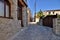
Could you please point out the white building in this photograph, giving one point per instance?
(51, 12)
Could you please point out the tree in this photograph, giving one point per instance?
(40, 14)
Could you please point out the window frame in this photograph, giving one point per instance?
(6, 2)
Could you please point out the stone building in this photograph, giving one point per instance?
(29, 15)
(51, 12)
(13, 16)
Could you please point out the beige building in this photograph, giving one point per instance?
(13, 16)
(36, 18)
(51, 12)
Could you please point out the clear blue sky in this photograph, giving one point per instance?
(43, 5)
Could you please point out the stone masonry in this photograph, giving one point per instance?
(56, 26)
(9, 27)
(25, 18)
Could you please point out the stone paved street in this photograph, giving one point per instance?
(36, 32)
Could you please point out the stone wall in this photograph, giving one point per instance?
(25, 16)
(9, 27)
(56, 26)
(14, 12)
(40, 22)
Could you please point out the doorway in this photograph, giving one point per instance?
(20, 17)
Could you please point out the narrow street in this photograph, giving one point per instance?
(36, 32)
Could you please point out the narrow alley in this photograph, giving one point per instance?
(29, 19)
(36, 32)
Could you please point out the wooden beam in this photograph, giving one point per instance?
(23, 3)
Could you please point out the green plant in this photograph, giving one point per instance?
(58, 16)
(39, 14)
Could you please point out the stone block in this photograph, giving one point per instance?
(8, 28)
(56, 26)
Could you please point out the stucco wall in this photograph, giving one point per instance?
(9, 27)
(37, 19)
(55, 12)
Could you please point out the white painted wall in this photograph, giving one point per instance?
(37, 19)
(55, 12)
(1, 9)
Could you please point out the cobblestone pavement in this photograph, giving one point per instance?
(36, 32)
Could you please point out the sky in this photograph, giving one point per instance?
(43, 5)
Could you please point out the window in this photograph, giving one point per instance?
(19, 11)
(56, 13)
(1, 8)
(7, 9)
(53, 12)
(1, 0)
(49, 13)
